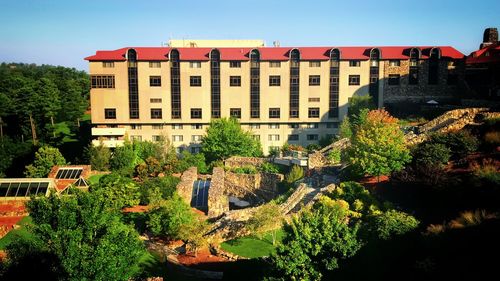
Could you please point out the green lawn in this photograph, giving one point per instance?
(251, 246)
(22, 231)
(94, 179)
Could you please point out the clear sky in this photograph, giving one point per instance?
(63, 32)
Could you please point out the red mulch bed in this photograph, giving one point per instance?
(204, 257)
(10, 221)
(136, 209)
(372, 182)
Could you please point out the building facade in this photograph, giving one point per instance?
(280, 94)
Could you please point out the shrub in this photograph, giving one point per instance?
(487, 171)
(170, 217)
(188, 160)
(392, 223)
(267, 167)
(295, 174)
(99, 156)
(118, 190)
(460, 143)
(436, 154)
(357, 196)
(345, 130)
(334, 156)
(313, 147)
(326, 140)
(274, 151)
(45, 158)
(155, 189)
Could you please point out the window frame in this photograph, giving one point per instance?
(274, 80)
(195, 81)
(352, 80)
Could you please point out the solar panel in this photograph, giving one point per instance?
(69, 173)
(23, 188)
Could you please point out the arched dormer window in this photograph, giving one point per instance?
(334, 57)
(294, 57)
(414, 73)
(434, 57)
(254, 57)
(374, 56)
(132, 57)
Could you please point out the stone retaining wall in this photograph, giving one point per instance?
(252, 186)
(185, 186)
(218, 203)
(238, 162)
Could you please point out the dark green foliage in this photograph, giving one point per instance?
(325, 141)
(315, 242)
(118, 190)
(78, 238)
(169, 217)
(124, 159)
(295, 174)
(155, 189)
(268, 167)
(345, 130)
(434, 154)
(45, 158)
(192, 160)
(358, 197)
(225, 138)
(392, 223)
(460, 143)
(359, 103)
(10, 151)
(313, 147)
(274, 152)
(99, 157)
(250, 170)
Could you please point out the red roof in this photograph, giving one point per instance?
(272, 53)
(489, 54)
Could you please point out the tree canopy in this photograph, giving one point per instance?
(79, 236)
(378, 146)
(225, 138)
(45, 158)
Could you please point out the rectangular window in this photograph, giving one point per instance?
(394, 63)
(156, 138)
(177, 138)
(354, 63)
(275, 64)
(154, 64)
(274, 113)
(312, 137)
(155, 100)
(254, 126)
(110, 113)
(314, 80)
(235, 112)
(294, 126)
(315, 63)
(235, 64)
(155, 81)
(157, 127)
(353, 80)
(195, 149)
(274, 80)
(197, 126)
(195, 64)
(274, 137)
(136, 138)
(108, 64)
(312, 126)
(393, 79)
(195, 113)
(156, 113)
(314, 99)
(235, 81)
(273, 126)
(256, 137)
(102, 81)
(293, 137)
(176, 126)
(196, 138)
(332, 125)
(313, 112)
(135, 127)
(195, 81)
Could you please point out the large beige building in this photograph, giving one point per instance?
(280, 94)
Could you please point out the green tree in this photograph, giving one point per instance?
(192, 160)
(295, 174)
(225, 138)
(315, 242)
(124, 159)
(154, 190)
(434, 154)
(99, 156)
(378, 146)
(170, 217)
(267, 218)
(345, 130)
(45, 158)
(120, 191)
(359, 103)
(86, 240)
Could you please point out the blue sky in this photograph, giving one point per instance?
(64, 32)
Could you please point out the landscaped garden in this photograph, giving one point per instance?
(253, 246)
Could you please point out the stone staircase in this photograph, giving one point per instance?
(306, 199)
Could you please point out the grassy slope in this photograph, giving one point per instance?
(21, 231)
(251, 246)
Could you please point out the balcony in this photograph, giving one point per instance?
(108, 131)
(108, 143)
